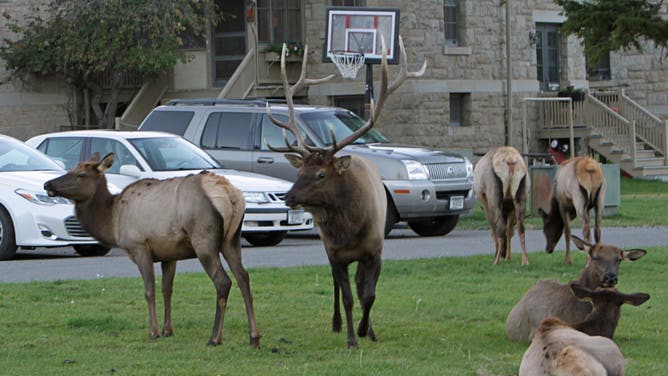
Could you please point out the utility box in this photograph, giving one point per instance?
(542, 179)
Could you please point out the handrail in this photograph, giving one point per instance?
(555, 113)
(610, 124)
(650, 128)
(244, 76)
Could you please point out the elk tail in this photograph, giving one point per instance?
(589, 175)
(226, 198)
(509, 167)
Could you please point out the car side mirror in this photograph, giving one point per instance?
(130, 170)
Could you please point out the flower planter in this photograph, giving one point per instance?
(273, 57)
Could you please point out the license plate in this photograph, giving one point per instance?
(295, 217)
(456, 202)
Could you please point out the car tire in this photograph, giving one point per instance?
(91, 250)
(391, 217)
(265, 239)
(7, 236)
(436, 226)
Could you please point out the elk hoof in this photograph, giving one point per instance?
(352, 343)
(167, 333)
(153, 336)
(255, 341)
(213, 342)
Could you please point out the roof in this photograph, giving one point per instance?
(110, 133)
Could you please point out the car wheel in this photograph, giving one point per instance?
(7, 237)
(89, 250)
(265, 239)
(435, 227)
(391, 217)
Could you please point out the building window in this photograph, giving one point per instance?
(459, 109)
(599, 71)
(354, 103)
(348, 3)
(279, 21)
(452, 22)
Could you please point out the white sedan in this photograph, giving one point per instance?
(163, 155)
(29, 218)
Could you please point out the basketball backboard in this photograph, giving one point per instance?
(356, 29)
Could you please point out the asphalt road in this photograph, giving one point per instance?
(303, 249)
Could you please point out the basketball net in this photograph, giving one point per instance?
(348, 63)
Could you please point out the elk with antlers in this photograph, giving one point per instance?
(346, 196)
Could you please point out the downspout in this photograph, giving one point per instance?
(509, 81)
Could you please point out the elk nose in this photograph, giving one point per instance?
(609, 279)
(47, 186)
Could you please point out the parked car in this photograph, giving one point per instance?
(425, 187)
(163, 155)
(29, 218)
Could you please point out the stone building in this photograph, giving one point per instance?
(460, 103)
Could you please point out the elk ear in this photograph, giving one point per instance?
(295, 160)
(636, 299)
(342, 164)
(581, 244)
(581, 291)
(106, 163)
(633, 254)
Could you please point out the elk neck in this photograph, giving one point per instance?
(96, 214)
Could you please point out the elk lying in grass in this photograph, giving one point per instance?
(583, 348)
(547, 298)
(346, 196)
(578, 187)
(165, 220)
(501, 183)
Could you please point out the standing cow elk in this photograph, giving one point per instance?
(583, 348)
(346, 196)
(501, 183)
(165, 220)
(548, 298)
(578, 187)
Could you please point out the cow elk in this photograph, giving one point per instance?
(165, 220)
(346, 196)
(501, 182)
(579, 187)
(583, 348)
(548, 298)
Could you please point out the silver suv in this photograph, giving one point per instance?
(425, 187)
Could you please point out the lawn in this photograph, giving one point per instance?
(432, 317)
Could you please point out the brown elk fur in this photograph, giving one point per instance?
(583, 348)
(501, 184)
(165, 220)
(548, 298)
(346, 197)
(579, 187)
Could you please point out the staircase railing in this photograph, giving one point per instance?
(243, 80)
(610, 124)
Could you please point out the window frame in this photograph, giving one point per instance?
(287, 21)
(452, 39)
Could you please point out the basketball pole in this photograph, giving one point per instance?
(368, 91)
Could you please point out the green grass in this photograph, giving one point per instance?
(642, 203)
(432, 317)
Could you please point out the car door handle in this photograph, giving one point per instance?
(265, 160)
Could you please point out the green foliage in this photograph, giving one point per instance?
(440, 316)
(611, 25)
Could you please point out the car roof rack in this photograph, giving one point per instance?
(216, 101)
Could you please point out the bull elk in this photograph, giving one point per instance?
(579, 187)
(165, 220)
(501, 183)
(583, 348)
(346, 196)
(548, 298)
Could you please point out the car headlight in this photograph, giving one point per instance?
(256, 197)
(41, 198)
(415, 170)
(469, 168)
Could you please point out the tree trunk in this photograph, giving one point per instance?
(109, 119)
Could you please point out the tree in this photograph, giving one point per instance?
(612, 25)
(77, 40)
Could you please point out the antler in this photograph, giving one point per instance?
(377, 105)
(291, 125)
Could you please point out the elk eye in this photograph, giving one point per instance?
(321, 175)
(81, 175)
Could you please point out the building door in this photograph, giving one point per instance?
(229, 41)
(547, 55)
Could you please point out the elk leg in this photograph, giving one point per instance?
(211, 263)
(365, 280)
(144, 262)
(567, 237)
(336, 317)
(168, 271)
(519, 212)
(597, 222)
(232, 254)
(340, 273)
(509, 234)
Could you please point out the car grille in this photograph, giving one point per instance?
(277, 196)
(446, 195)
(74, 228)
(446, 171)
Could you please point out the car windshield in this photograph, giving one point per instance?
(173, 153)
(17, 156)
(342, 124)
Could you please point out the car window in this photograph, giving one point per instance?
(272, 134)
(226, 130)
(123, 155)
(64, 149)
(17, 156)
(168, 121)
(173, 153)
(341, 124)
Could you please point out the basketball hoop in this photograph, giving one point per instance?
(348, 63)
